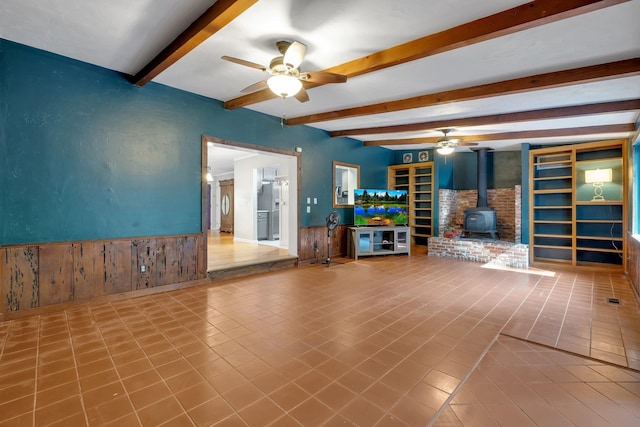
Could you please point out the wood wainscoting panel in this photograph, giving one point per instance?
(167, 262)
(19, 275)
(88, 270)
(188, 256)
(55, 274)
(144, 258)
(117, 267)
(39, 275)
(313, 242)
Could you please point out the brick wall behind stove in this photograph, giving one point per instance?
(505, 201)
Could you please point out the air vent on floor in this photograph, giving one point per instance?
(613, 300)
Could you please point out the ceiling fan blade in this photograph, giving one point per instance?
(254, 87)
(302, 95)
(245, 63)
(323, 77)
(295, 54)
(467, 144)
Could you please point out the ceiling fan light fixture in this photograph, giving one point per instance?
(444, 150)
(284, 86)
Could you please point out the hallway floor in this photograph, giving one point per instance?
(223, 252)
(388, 341)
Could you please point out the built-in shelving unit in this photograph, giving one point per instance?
(365, 241)
(417, 179)
(573, 219)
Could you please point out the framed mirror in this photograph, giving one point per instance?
(346, 178)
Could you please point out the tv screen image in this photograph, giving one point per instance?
(380, 207)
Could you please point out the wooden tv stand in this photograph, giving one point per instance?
(366, 241)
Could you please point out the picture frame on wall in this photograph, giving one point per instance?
(423, 156)
(407, 158)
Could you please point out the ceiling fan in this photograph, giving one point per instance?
(285, 76)
(446, 144)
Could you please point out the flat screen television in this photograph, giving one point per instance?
(379, 207)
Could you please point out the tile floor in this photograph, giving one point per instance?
(392, 341)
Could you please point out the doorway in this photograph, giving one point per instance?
(262, 176)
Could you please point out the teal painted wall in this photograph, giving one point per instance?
(503, 170)
(86, 155)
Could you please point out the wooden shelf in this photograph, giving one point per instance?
(420, 191)
(552, 178)
(600, 221)
(611, 251)
(600, 203)
(564, 218)
(605, 239)
(556, 162)
(553, 191)
(552, 247)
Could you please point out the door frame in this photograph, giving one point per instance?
(205, 139)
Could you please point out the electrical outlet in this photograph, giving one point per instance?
(143, 268)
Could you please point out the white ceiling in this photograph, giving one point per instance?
(124, 35)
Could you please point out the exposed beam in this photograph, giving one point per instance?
(519, 18)
(594, 73)
(521, 116)
(527, 134)
(221, 13)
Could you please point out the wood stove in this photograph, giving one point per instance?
(481, 219)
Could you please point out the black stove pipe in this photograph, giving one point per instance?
(482, 177)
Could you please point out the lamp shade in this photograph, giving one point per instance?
(284, 86)
(445, 150)
(597, 175)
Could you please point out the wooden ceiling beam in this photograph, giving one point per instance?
(521, 116)
(528, 134)
(519, 18)
(589, 74)
(221, 13)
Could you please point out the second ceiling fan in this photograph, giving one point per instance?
(446, 144)
(285, 76)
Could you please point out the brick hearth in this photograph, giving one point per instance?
(505, 201)
(481, 250)
(508, 251)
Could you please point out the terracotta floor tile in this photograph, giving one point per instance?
(17, 407)
(311, 412)
(147, 396)
(98, 380)
(362, 412)
(581, 415)
(49, 414)
(243, 395)
(382, 396)
(335, 396)
(289, 396)
(474, 414)
(371, 353)
(196, 395)
(142, 380)
(411, 412)
(160, 412)
(56, 394)
(261, 413)
(210, 412)
(509, 415)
